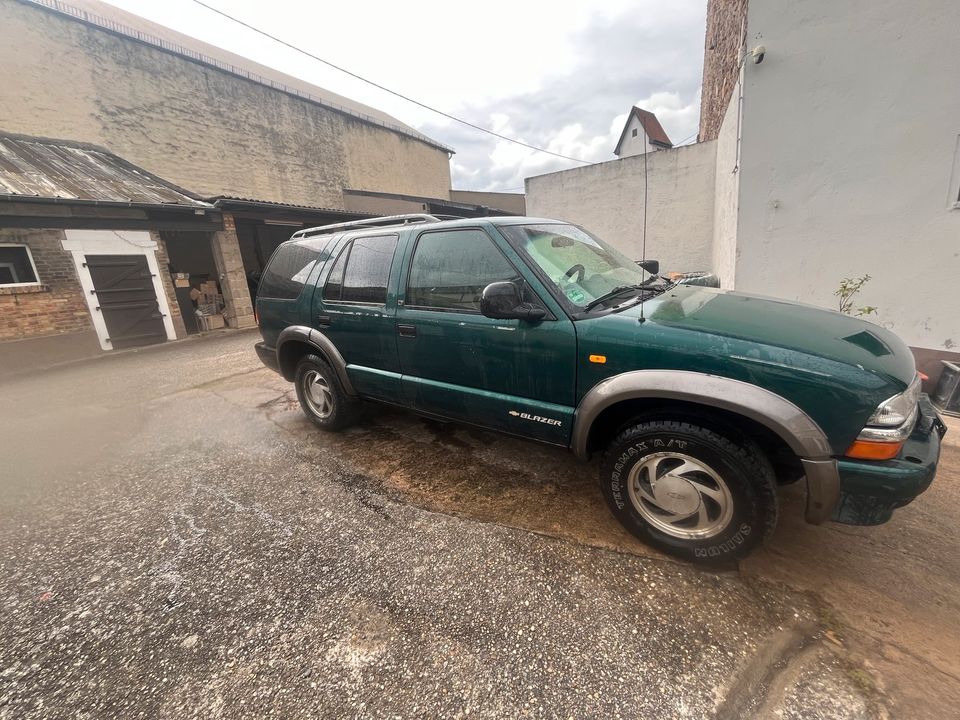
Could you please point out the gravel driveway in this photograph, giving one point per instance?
(177, 541)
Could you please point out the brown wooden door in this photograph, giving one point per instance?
(123, 285)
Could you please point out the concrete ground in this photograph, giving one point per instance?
(177, 541)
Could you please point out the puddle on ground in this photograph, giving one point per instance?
(460, 470)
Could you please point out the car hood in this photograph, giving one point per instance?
(782, 324)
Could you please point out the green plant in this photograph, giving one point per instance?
(849, 287)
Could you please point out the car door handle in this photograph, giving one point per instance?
(323, 320)
(407, 330)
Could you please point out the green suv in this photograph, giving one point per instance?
(700, 402)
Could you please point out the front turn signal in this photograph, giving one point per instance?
(872, 450)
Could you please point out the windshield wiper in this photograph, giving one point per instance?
(619, 290)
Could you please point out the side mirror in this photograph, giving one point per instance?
(651, 266)
(501, 301)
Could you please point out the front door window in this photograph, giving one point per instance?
(450, 270)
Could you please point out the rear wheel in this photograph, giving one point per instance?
(321, 395)
(689, 490)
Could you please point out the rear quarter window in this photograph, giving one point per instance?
(287, 272)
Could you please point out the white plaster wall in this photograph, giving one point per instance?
(849, 158)
(607, 199)
(635, 145)
(727, 195)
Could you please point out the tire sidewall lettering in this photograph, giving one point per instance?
(727, 546)
(745, 529)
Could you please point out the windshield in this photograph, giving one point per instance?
(581, 267)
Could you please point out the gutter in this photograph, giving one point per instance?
(202, 206)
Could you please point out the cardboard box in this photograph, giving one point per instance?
(210, 322)
(181, 282)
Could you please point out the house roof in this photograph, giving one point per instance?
(228, 201)
(648, 121)
(33, 168)
(115, 20)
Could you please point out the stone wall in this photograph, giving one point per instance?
(56, 305)
(233, 279)
(722, 48)
(511, 202)
(205, 129)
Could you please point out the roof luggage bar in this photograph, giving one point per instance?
(388, 221)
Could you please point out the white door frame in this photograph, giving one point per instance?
(80, 243)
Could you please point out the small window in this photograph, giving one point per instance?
(362, 272)
(287, 272)
(16, 266)
(634, 133)
(451, 269)
(332, 290)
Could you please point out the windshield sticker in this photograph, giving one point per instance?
(576, 295)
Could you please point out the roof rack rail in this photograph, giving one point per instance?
(388, 221)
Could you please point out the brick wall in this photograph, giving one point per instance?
(721, 57)
(58, 305)
(163, 263)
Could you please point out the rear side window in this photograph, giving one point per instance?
(450, 270)
(287, 272)
(362, 271)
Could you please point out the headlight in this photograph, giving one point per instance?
(899, 409)
(889, 426)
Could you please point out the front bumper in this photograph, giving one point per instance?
(871, 490)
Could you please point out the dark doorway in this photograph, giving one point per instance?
(126, 297)
(189, 253)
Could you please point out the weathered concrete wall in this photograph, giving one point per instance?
(607, 199)
(850, 160)
(511, 202)
(205, 129)
(722, 48)
(55, 306)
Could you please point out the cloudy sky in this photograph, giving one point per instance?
(556, 75)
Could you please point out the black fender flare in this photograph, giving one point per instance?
(324, 347)
(797, 429)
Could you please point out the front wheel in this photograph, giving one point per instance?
(689, 490)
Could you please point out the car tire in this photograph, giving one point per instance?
(690, 491)
(322, 397)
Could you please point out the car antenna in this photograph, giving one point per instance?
(643, 249)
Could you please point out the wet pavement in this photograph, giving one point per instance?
(176, 540)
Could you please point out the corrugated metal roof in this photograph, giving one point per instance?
(108, 17)
(228, 199)
(41, 168)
